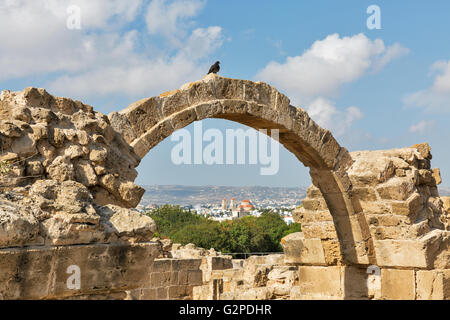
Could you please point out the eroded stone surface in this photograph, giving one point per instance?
(64, 213)
(401, 219)
(64, 140)
(70, 181)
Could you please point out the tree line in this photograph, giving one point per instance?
(244, 235)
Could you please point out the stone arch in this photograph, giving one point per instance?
(147, 122)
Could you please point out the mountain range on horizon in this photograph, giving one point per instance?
(213, 195)
(184, 195)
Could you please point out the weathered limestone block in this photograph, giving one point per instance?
(375, 207)
(433, 285)
(128, 223)
(10, 129)
(409, 207)
(436, 173)
(396, 189)
(398, 284)
(314, 205)
(330, 283)
(43, 273)
(183, 118)
(47, 151)
(370, 171)
(24, 146)
(171, 279)
(174, 102)
(17, 227)
(356, 252)
(61, 169)
(98, 155)
(128, 192)
(57, 137)
(155, 135)
(141, 115)
(419, 253)
(304, 216)
(332, 251)
(21, 113)
(85, 174)
(9, 156)
(190, 251)
(287, 275)
(211, 264)
(320, 281)
(256, 275)
(83, 137)
(322, 230)
(40, 131)
(424, 149)
(73, 152)
(297, 249)
(364, 194)
(63, 229)
(34, 168)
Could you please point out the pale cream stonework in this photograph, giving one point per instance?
(373, 224)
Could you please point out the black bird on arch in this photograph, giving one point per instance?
(214, 68)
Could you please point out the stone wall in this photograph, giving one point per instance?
(170, 279)
(49, 138)
(400, 211)
(398, 208)
(106, 270)
(64, 193)
(271, 278)
(374, 226)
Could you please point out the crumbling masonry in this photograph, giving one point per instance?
(374, 226)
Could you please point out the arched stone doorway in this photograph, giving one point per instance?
(147, 122)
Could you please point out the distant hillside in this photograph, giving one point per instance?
(444, 192)
(213, 195)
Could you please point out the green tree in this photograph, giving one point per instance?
(207, 234)
(274, 226)
(248, 234)
(170, 219)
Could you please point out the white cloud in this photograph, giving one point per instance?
(35, 38)
(325, 113)
(203, 42)
(327, 65)
(107, 55)
(422, 126)
(316, 75)
(169, 19)
(144, 77)
(134, 74)
(437, 97)
(392, 52)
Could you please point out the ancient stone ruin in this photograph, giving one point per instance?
(374, 226)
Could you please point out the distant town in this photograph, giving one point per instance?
(224, 202)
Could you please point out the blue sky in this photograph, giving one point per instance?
(374, 89)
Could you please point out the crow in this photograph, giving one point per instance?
(214, 68)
